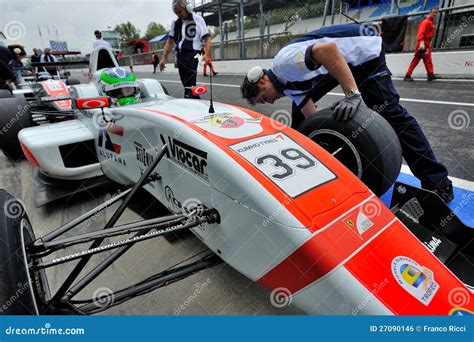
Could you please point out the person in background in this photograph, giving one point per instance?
(35, 57)
(99, 41)
(47, 57)
(187, 34)
(423, 47)
(154, 61)
(16, 64)
(6, 73)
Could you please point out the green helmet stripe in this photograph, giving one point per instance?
(111, 80)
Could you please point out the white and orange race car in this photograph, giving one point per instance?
(266, 199)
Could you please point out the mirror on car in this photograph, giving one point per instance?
(93, 103)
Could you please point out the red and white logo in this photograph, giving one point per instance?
(93, 103)
(199, 90)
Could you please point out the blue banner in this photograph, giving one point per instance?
(208, 329)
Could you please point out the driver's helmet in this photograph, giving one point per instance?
(43, 76)
(120, 84)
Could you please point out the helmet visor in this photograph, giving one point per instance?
(123, 92)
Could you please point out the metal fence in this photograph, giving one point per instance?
(455, 30)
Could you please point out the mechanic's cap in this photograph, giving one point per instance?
(98, 33)
(255, 74)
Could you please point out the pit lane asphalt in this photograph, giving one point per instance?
(222, 290)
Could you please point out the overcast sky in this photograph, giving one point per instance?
(75, 20)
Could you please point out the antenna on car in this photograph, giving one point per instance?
(211, 108)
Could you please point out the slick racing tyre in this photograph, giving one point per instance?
(367, 145)
(22, 292)
(5, 94)
(14, 116)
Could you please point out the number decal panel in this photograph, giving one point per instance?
(284, 162)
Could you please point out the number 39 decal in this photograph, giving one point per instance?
(293, 169)
(289, 154)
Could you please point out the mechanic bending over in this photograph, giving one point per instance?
(6, 73)
(186, 34)
(312, 65)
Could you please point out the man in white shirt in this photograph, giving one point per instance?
(312, 65)
(99, 41)
(187, 34)
(47, 57)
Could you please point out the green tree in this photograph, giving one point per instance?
(127, 32)
(154, 29)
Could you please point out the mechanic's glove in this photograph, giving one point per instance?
(345, 109)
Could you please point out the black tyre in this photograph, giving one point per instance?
(14, 116)
(72, 81)
(22, 292)
(5, 94)
(367, 145)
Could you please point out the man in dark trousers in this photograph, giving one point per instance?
(423, 47)
(154, 62)
(6, 73)
(312, 65)
(187, 33)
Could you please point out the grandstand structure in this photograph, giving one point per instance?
(259, 28)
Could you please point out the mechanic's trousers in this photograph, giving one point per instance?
(187, 66)
(378, 92)
(426, 57)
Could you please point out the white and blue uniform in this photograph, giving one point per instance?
(189, 36)
(295, 74)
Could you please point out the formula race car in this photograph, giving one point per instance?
(265, 198)
(40, 98)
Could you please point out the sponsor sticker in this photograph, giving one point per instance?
(460, 312)
(358, 221)
(416, 279)
(230, 125)
(287, 164)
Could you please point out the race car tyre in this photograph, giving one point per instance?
(14, 116)
(367, 145)
(72, 81)
(22, 292)
(5, 94)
